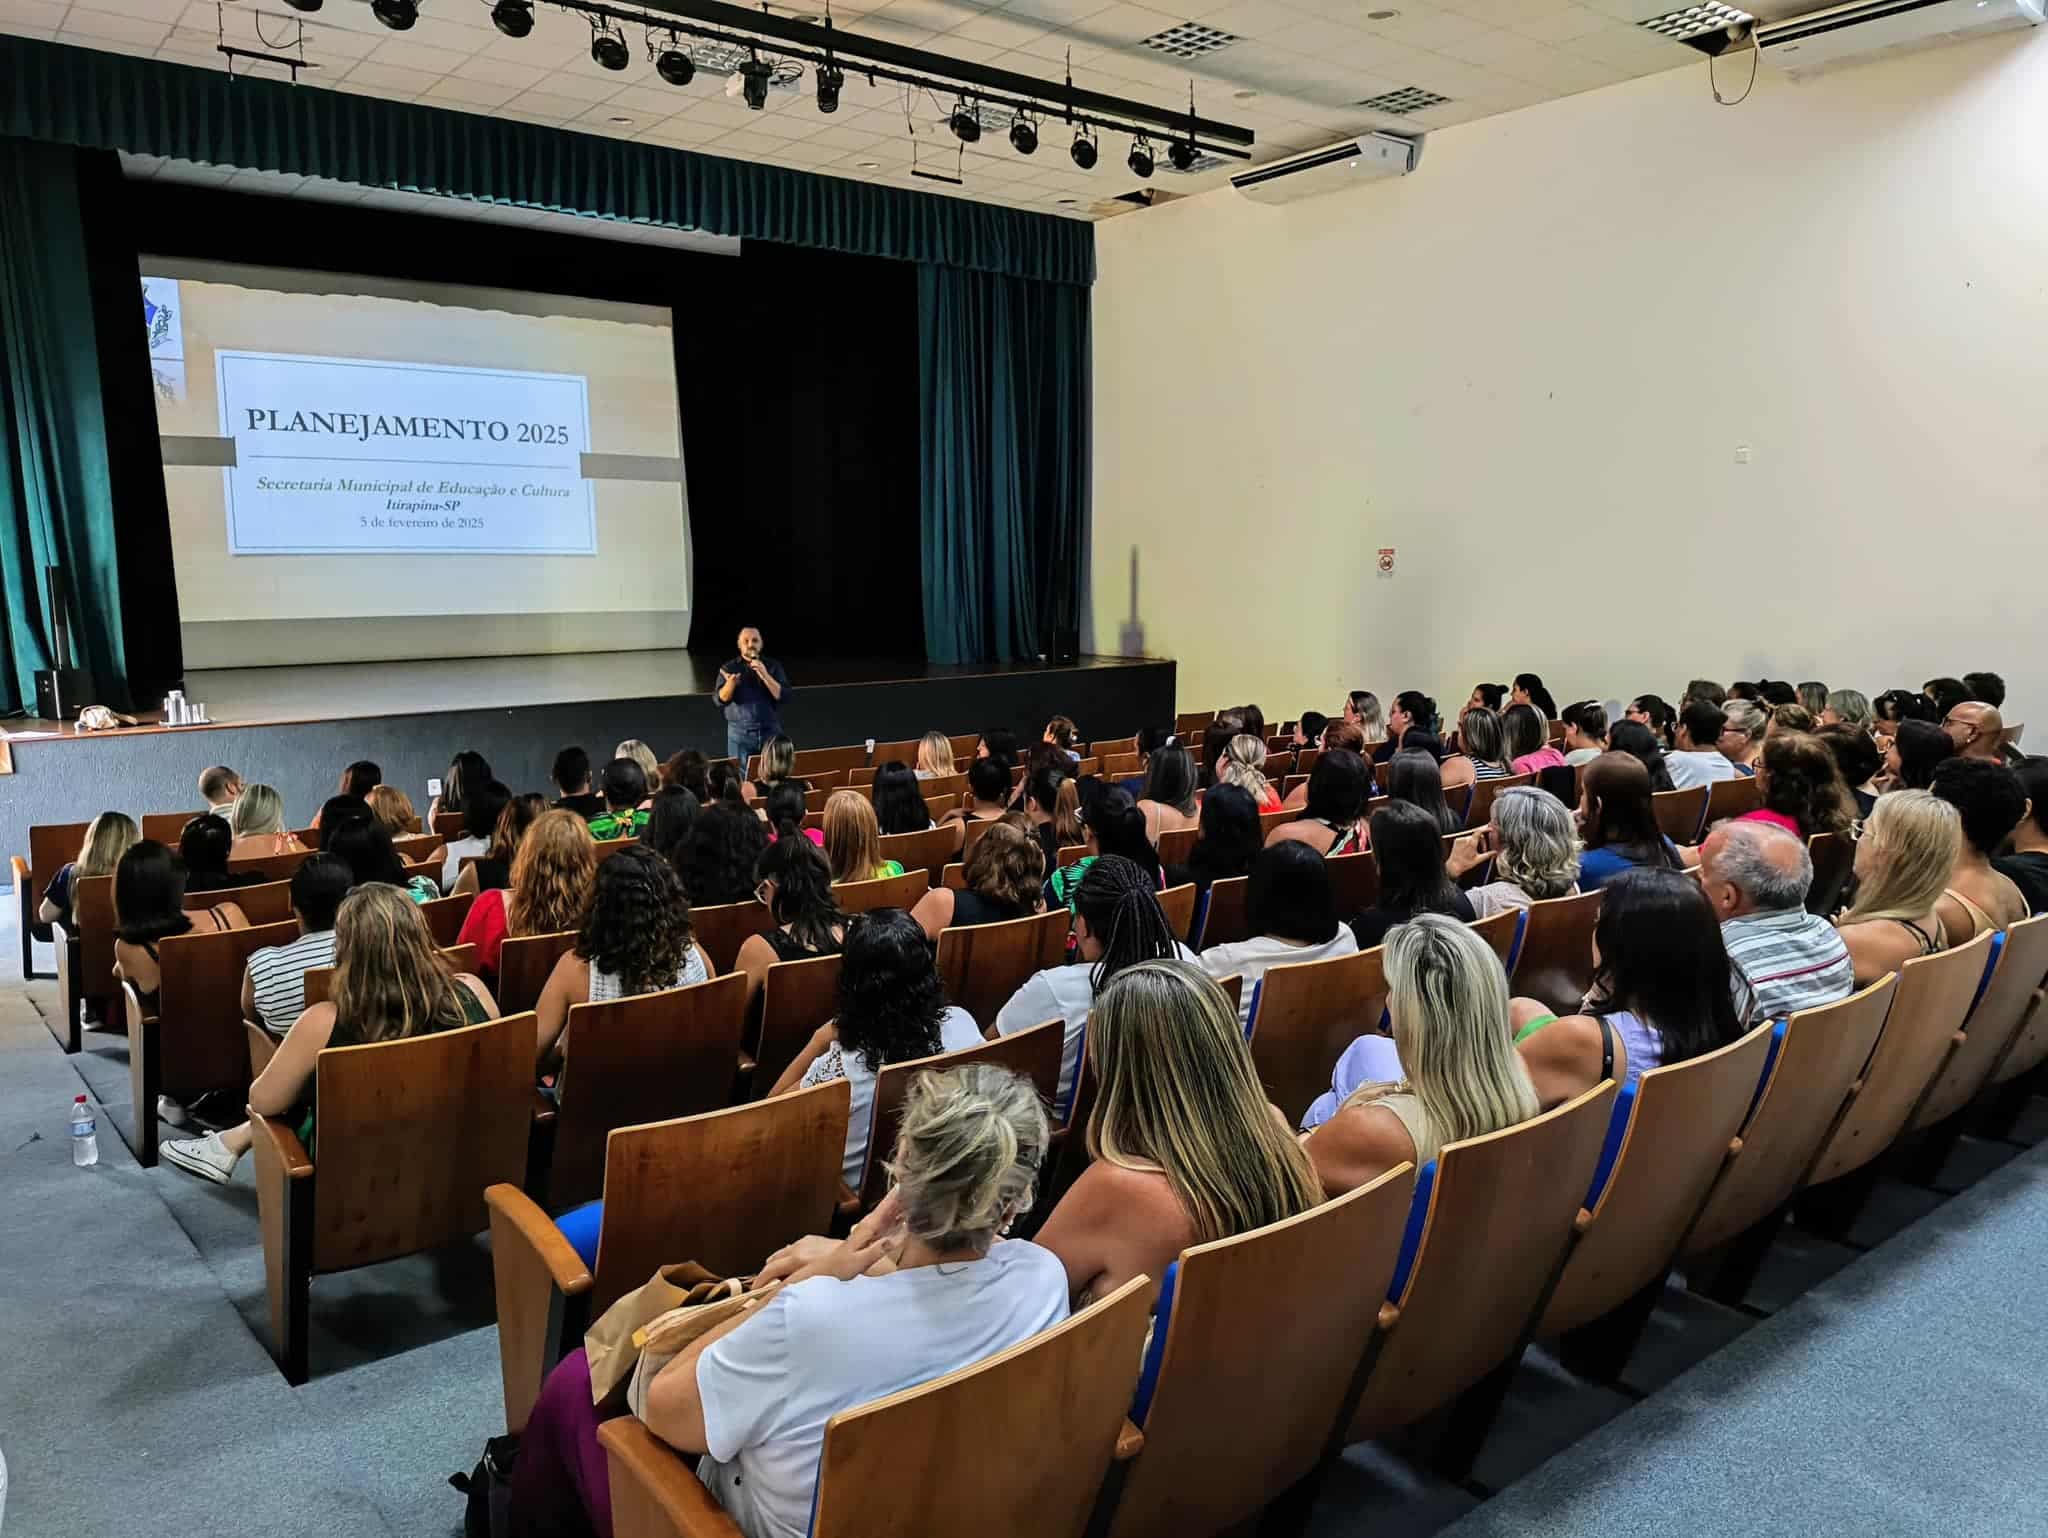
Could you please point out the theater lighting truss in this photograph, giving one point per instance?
(733, 40)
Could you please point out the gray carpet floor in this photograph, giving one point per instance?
(1895, 1383)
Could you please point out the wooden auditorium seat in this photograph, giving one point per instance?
(1111, 745)
(1834, 861)
(1678, 813)
(1122, 766)
(444, 916)
(1479, 809)
(1816, 1057)
(648, 1058)
(1035, 1053)
(927, 851)
(1286, 1374)
(983, 964)
(1731, 798)
(1305, 1015)
(1192, 723)
(1072, 854)
(1354, 882)
(723, 929)
(796, 998)
(1222, 918)
(1555, 961)
(447, 825)
(1671, 1136)
(524, 962)
(278, 867)
(410, 1135)
(2018, 969)
(1502, 931)
(1268, 821)
(196, 1041)
(2029, 1046)
(85, 960)
(268, 902)
(50, 846)
(1497, 1217)
(412, 848)
(1176, 844)
(166, 827)
(1012, 1447)
(724, 1188)
(1178, 904)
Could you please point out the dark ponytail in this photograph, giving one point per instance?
(786, 810)
(1119, 902)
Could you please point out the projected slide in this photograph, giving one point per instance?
(362, 467)
(341, 454)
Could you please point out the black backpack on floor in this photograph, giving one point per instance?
(489, 1488)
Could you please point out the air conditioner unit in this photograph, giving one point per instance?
(1368, 158)
(1855, 34)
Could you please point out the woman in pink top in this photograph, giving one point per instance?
(1528, 740)
(1802, 787)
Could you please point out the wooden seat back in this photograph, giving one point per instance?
(723, 929)
(1284, 1372)
(1731, 798)
(52, 846)
(201, 1045)
(970, 835)
(447, 825)
(524, 962)
(268, 902)
(1994, 1023)
(1816, 1058)
(1034, 1053)
(1072, 854)
(411, 1132)
(1500, 930)
(1176, 844)
(1479, 810)
(1305, 760)
(2029, 1047)
(723, 1188)
(1268, 821)
(927, 851)
(166, 827)
(1354, 882)
(320, 980)
(903, 751)
(1500, 1211)
(1305, 1015)
(983, 964)
(1122, 766)
(272, 867)
(886, 892)
(648, 1058)
(1178, 904)
(1225, 918)
(1682, 1121)
(444, 916)
(1924, 1027)
(814, 806)
(1834, 862)
(943, 785)
(605, 848)
(92, 923)
(1555, 963)
(1111, 745)
(1192, 723)
(796, 998)
(1678, 813)
(811, 761)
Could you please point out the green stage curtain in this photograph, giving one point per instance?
(1003, 391)
(87, 98)
(56, 502)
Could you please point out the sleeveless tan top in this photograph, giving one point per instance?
(1408, 1107)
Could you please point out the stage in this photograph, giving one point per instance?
(295, 727)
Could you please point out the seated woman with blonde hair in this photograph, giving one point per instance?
(392, 808)
(1448, 1000)
(1904, 860)
(258, 822)
(934, 756)
(1243, 764)
(925, 1285)
(853, 839)
(390, 984)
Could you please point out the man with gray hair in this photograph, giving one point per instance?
(1756, 875)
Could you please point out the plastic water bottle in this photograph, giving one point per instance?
(85, 1141)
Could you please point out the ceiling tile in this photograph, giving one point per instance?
(469, 91)
(399, 81)
(107, 27)
(15, 14)
(547, 106)
(407, 54)
(1563, 26)
(501, 71)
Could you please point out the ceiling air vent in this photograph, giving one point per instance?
(1409, 98)
(1189, 40)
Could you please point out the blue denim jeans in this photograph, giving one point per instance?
(742, 742)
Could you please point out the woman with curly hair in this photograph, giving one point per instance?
(635, 938)
(892, 1008)
(551, 876)
(1801, 785)
(1004, 877)
(717, 866)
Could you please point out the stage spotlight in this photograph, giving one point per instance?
(398, 15)
(827, 79)
(1140, 160)
(1083, 151)
(514, 18)
(965, 125)
(1181, 154)
(754, 78)
(1023, 136)
(675, 66)
(609, 49)
(305, 5)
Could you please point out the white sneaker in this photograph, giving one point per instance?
(207, 1157)
(171, 1112)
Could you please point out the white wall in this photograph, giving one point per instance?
(1528, 368)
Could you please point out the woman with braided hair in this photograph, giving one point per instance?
(1117, 923)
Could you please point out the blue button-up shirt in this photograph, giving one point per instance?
(752, 708)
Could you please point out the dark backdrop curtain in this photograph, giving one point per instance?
(1003, 396)
(56, 487)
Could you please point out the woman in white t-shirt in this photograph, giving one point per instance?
(1117, 923)
(1293, 917)
(892, 1008)
(923, 1287)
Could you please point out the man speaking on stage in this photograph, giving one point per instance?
(750, 688)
